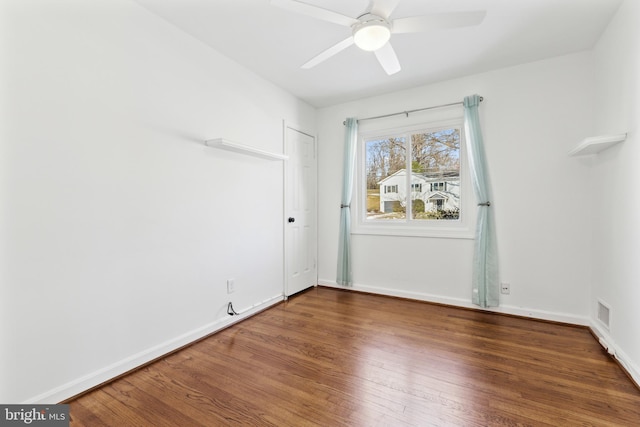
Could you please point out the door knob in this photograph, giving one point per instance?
(292, 219)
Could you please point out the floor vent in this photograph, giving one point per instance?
(603, 313)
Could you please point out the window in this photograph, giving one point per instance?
(434, 159)
(438, 186)
(390, 189)
(411, 180)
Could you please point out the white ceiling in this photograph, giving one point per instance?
(274, 43)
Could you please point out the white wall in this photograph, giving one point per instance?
(614, 179)
(118, 226)
(532, 115)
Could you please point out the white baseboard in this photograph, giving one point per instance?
(134, 361)
(615, 351)
(107, 373)
(459, 302)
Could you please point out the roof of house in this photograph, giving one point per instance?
(433, 176)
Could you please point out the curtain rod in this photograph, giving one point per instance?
(406, 113)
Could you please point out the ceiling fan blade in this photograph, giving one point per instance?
(315, 12)
(328, 53)
(383, 8)
(437, 21)
(388, 59)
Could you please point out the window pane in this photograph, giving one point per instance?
(385, 168)
(435, 175)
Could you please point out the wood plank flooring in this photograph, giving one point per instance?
(328, 357)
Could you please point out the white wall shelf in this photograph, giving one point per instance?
(596, 144)
(225, 144)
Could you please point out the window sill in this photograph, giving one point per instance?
(436, 232)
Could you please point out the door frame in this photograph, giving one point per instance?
(296, 128)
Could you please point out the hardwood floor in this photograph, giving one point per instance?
(336, 358)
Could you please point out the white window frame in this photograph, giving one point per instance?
(462, 228)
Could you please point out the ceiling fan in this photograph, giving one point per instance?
(371, 31)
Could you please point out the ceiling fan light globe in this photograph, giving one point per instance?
(371, 37)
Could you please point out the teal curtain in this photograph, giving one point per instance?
(344, 248)
(486, 287)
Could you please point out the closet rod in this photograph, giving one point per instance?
(406, 113)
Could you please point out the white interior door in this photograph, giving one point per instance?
(300, 212)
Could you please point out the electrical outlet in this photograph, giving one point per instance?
(231, 286)
(505, 288)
